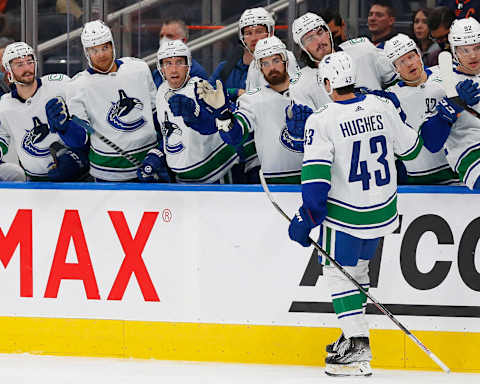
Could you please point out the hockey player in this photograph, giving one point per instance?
(419, 92)
(262, 111)
(349, 189)
(191, 144)
(313, 36)
(463, 144)
(116, 97)
(25, 123)
(263, 22)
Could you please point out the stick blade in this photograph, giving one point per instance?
(446, 73)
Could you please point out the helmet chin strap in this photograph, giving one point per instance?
(99, 70)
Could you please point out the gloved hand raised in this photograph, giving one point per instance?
(57, 115)
(153, 168)
(468, 91)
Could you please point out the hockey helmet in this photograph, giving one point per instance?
(338, 69)
(15, 51)
(255, 16)
(463, 32)
(96, 33)
(306, 23)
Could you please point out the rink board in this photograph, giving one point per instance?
(208, 273)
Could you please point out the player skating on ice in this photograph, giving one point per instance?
(191, 144)
(349, 189)
(29, 124)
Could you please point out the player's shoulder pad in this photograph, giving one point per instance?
(80, 75)
(322, 109)
(295, 78)
(382, 99)
(55, 77)
(355, 42)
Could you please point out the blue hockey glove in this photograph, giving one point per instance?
(300, 227)
(57, 115)
(448, 110)
(468, 91)
(183, 106)
(390, 96)
(68, 165)
(153, 168)
(296, 117)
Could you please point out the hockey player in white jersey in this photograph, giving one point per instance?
(262, 111)
(25, 123)
(463, 143)
(260, 17)
(116, 97)
(313, 36)
(349, 188)
(419, 92)
(193, 148)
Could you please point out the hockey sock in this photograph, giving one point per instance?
(348, 301)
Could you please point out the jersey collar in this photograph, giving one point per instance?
(356, 99)
(93, 71)
(20, 98)
(462, 73)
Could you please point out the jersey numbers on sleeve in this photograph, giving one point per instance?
(309, 136)
(359, 169)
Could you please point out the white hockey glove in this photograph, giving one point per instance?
(216, 102)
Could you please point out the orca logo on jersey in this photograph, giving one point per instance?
(289, 142)
(168, 128)
(35, 136)
(126, 106)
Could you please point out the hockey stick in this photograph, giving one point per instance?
(111, 144)
(380, 306)
(448, 82)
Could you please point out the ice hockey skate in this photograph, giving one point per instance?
(352, 358)
(332, 347)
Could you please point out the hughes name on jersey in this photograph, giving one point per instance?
(349, 147)
(120, 106)
(195, 158)
(418, 103)
(262, 111)
(23, 123)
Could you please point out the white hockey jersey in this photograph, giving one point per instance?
(350, 145)
(462, 147)
(255, 78)
(263, 112)
(305, 89)
(418, 103)
(372, 67)
(195, 158)
(23, 123)
(120, 106)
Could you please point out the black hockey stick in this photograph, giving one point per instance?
(110, 143)
(380, 306)
(446, 74)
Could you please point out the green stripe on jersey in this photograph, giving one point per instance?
(116, 161)
(316, 173)
(438, 177)
(208, 166)
(362, 217)
(413, 153)
(467, 162)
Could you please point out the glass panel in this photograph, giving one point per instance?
(56, 18)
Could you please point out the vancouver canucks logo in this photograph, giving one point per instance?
(169, 128)
(35, 136)
(289, 142)
(126, 113)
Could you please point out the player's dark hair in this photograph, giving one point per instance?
(384, 3)
(345, 90)
(440, 16)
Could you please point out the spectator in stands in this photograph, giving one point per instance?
(421, 33)
(176, 29)
(462, 8)
(439, 22)
(381, 17)
(4, 83)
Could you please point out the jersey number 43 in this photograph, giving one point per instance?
(359, 168)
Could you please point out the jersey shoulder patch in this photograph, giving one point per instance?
(322, 109)
(55, 77)
(355, 41)
(253, 91)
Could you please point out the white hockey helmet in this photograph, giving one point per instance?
(306, 23)
(174, 48)
(398, 46)
(463, 32)
(268, 47)
(15, 51)
(255, 16)
(338, 68)
(96, 33)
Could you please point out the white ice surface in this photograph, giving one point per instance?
(30, 369)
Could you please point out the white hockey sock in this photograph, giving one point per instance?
(348, 301)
